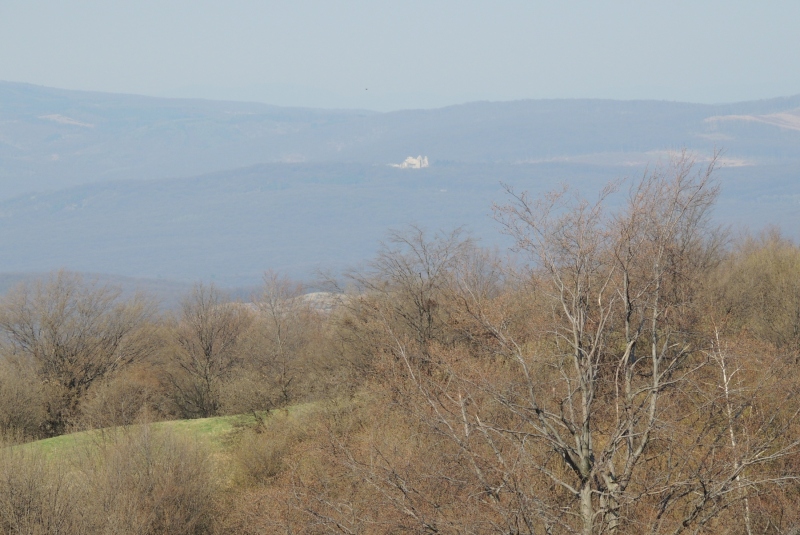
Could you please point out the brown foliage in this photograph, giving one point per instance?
(633, 377)
(37, 497)
(144, 481)
(138, 481)
(583, 398)
(133, 395)
(22, 407)
(74, 334)
(757, 290)
(206, 350)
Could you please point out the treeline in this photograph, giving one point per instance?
(78, 356)
(631, 369)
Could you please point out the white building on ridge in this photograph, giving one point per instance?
(412, 163)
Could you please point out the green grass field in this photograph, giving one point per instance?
(216, 433)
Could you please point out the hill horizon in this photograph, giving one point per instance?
(190, 189)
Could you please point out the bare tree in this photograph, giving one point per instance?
(22, 407)
(621, 357)
(74, 333)
(600, 413)
(207, 349)
(408, 281)
(286, 324)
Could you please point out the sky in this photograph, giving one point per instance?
(410, 54)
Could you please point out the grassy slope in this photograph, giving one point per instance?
(216, 433)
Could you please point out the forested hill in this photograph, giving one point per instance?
(300, 218)
(52, 138)
(192, 189)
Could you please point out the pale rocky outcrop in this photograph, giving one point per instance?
(412, 163)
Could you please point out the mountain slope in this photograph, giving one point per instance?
(298, 218)
(51, 138)
(88, 180)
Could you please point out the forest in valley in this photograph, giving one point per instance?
(628, 367)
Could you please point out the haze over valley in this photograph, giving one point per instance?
(186, 190)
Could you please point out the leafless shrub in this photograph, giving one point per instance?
(604, 410)
(757, 290)
(146, 481)
(261, 450)
(22, 403)
(124, 400)
(37, 496)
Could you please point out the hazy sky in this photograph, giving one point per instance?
(389, 55)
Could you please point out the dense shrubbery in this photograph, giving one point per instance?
(136, 481)
(76, 356)
(637, 373)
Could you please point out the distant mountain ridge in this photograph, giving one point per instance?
(172, 189)
(52, 138)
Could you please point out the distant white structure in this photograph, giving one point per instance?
(412, 163)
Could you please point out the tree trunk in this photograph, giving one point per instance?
(587, 511)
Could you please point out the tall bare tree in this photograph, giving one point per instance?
(408, 280)
(207, 349)
(286, 327)
(74, 333)
(602, 412)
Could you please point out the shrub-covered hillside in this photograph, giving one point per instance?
(629, 368)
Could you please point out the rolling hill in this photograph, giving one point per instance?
(182, 190)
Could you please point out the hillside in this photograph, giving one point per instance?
(188, 189)
(230, 227)
(52, 138)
